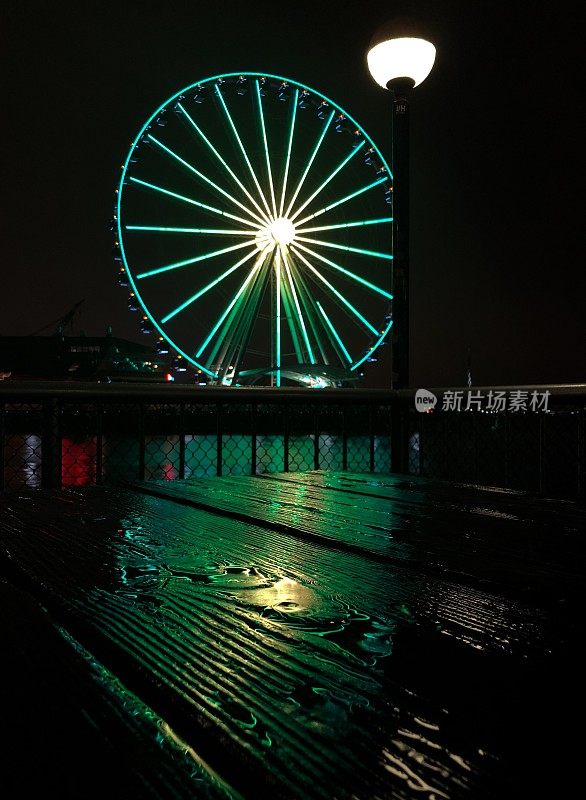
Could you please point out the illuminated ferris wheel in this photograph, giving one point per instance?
(254, 221)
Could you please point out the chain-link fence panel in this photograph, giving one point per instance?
(78, 426)
(522, 463)
(380, 433)
(270, 426)
(491, 447)
(199, 428)
(525, 451)
(301, 426)
(200, 455)
(561, 445)
(330, 424)
(22, 426)
(121, 432)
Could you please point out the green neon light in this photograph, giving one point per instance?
(334, 332)
(278, 316)
(188, 261)
(240, 320)
(330, 177)
(298, 308)
(222, 161)
(344, 225)
(207, 180)
(205, 289)
(310, 162)
(289, 312)
(192, 202)
(358, 250)
(242, 150)
(332, 289)
(292, 128)
(371, 350)
(267, 156)
(310, 311)
(343, 200)
(346, 272)
(233, 302)
(214, 231)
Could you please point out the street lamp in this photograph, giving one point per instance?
(399, 60)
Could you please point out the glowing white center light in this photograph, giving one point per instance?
(406, 57)
(280, 232)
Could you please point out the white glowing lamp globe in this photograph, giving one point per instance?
(404, 57)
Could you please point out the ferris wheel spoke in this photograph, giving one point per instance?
(334, 332)
(334, 291)
(203, 257)
(223, 162)
(257, 265)
(207, 180)
(206, 289)
(288, 272)
(289, 146)
(193, 202)
(309, 307)
(344, 199)
(242, 149)
(347, 272)
(266, 147)
(357, 224)
(330, 177)
(347, 248)
(238, 326)
(204, 231)
(291, 319)
(320, 139)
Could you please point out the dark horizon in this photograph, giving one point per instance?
(496, 269)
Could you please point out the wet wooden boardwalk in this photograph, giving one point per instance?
(303, 635)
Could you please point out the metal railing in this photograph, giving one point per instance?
(85, 434)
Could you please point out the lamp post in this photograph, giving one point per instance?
(398, 61)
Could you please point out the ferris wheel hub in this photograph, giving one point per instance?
(280, 231)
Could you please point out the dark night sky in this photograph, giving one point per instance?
(496, 171)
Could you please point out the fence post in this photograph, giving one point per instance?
(286, 438)
(399, 445)
(582, 453)
(422, 425)
(371, 438)
(541, 454)
(315, 437)
(99, 442)
(51, 445)
(253, 439)
(181, 441)
(2, 443)
(345, 439)
(218, 440)
(507, 465)
(141, 443)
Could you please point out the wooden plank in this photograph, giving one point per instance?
(72, 730)
(463, 533)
